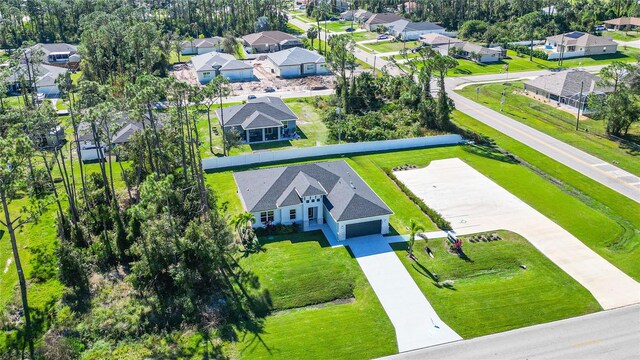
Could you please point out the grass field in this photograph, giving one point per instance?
(299, 270)
(558, 123)
(606, 221)
(623, 35)
(522, 63)
(389, 46)
(491, 293)
(363, 35)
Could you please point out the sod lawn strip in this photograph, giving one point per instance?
(297, 270)
(557, 123)
(491, 292)
(606, 221)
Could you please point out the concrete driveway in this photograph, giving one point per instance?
(416, 323)
(473, 203)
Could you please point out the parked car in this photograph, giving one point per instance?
(269, 89)
(160, 106)
(333, 18)
(251, 97)
(349, 29)
(600, 28)
(302, 7)
(382, 37)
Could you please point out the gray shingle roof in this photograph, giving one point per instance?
(579, 38)
(406, 25)
(470, 47)
(434, 39)
(295, 56)
(348, 197)
(567, 83)
(383, 18)
(203, 43)
(258, 113)
(206, 62)
(267, 38)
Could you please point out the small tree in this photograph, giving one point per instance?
(312, 33)
(215, 90)
(230, 44)
(414, 230)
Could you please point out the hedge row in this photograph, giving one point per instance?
(524, 49)
(435, 216)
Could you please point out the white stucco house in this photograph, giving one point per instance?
(330, 193)
(44, 75)
(260, 120)
(210, 65)
(296, 62)
(405, 30)
(477, 53)
(202, 46)
(577, 44)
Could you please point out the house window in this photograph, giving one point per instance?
(266, 217)
(292, 214)
(285, 124)
(604, 49)
(206, 75)
(310, 67)
(307, 201)
(268, 131)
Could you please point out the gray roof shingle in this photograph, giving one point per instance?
(295, 56)
(257, 113)
(206, 62)
(567, 83)
(347, 196)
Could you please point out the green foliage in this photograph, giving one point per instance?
(473, 30)
(43, 264)
(523, 49)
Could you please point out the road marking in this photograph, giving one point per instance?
(591, 342)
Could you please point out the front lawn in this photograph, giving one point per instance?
(623, 35)
(363, 35)
(490, 291)
(386, 46)
(337, 26)
(560, 124)
(299, 270)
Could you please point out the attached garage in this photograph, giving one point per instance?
(364, 228)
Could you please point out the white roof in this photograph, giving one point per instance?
(295, 56)
(206, 62)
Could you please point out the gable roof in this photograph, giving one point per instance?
(406, 25)
(623, 21)
(206, 62)
(209, 42)
(56, 48)
(268, 38)
(383, 18)
(257, 113)
(567, 83)
(295, 56)
(581, 39)
(362, 14)
(45, 75)
(474, 48)
(438, 39)
(347, 196)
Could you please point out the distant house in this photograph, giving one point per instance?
(623, 23)
(382, 19)
(44, 75)
(347, 15)
(208, 66)
(270, 41)
(578, 44)
(476, 53)
(202, 46)
(405, 30)
(362, 15)
(297, 62)
(58, 54)
(408, 6)
(564, 87)
(548, 10)
(259, 120)
(310, 195)
(437, 39)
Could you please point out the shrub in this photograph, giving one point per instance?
(523, 49)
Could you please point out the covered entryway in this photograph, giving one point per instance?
(364, 228)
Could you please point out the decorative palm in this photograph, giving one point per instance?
(241, 223)
(414, 229)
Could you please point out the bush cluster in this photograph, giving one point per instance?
(523, 49)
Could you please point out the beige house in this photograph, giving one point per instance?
(578, 44)
(623, 23)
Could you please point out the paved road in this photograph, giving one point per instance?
(415, 321)
(612, 334)
(473, 203)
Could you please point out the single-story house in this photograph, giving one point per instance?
(44, 75)
(578, 44)
(270, 41)
(405, 30)
(362, 15)
(329, 193)
(476, 52)
(623, 23)
(58, 54)
(437, 39)
(207, 66)
(564, 87)
(347, 15)
(297, 62)
(202, 46)
(259, 120)
(383, 19)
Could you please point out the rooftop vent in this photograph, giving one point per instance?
(352, 186)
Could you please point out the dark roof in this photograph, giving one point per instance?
(268, 38)
(383, 18)
(257, 113)
(204, 42)
(347, 196)
(567, 83)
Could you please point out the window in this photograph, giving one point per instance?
(307, 201)
(206, 75)
(292, 214)
(266, 217)
(310, 67)
(285, 124)
(268, 131)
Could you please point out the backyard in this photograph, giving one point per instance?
(623, 35)
(490, 291)
(560, 124)
(386, 46)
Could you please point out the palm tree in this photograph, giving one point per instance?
(414, 230)
(312, 33)
(241, 223)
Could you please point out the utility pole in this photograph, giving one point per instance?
(579, 104)
(562, 51)
(338, 111)
(374, 64)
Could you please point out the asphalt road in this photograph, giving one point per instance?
(612, 334)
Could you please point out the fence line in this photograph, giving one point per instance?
(339, 149)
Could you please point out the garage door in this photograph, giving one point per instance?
(364, 228)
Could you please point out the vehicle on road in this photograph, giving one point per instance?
(251, 97)
(349, 29)
(269, 89)
(600, 28)
(382, 37)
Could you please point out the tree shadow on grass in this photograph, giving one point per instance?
(296, 238)
(490, 151)
(301, 134)
(270, 145)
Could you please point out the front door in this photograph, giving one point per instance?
(311, 213)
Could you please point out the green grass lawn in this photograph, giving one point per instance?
(522, 63)
(623, 35)
(363, 35)
(606, 221)
(389, 46)
(299, 270)
(491, 293)
(337, 26)
(173, 57)
(557, 123)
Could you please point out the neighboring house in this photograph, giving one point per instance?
(208, 66)
(383, 19)
(564, 87)
(437, 39)
(548, 10)
(59, 54)
(578, 44)
(259, 120)
(44, 75)
(362, 15)
(270, 41)
(202, 46)
(347, 15)
(623, 23)
(408, 6)
(329, 193)
(476, 53)
(405, 30)
(297, 62)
